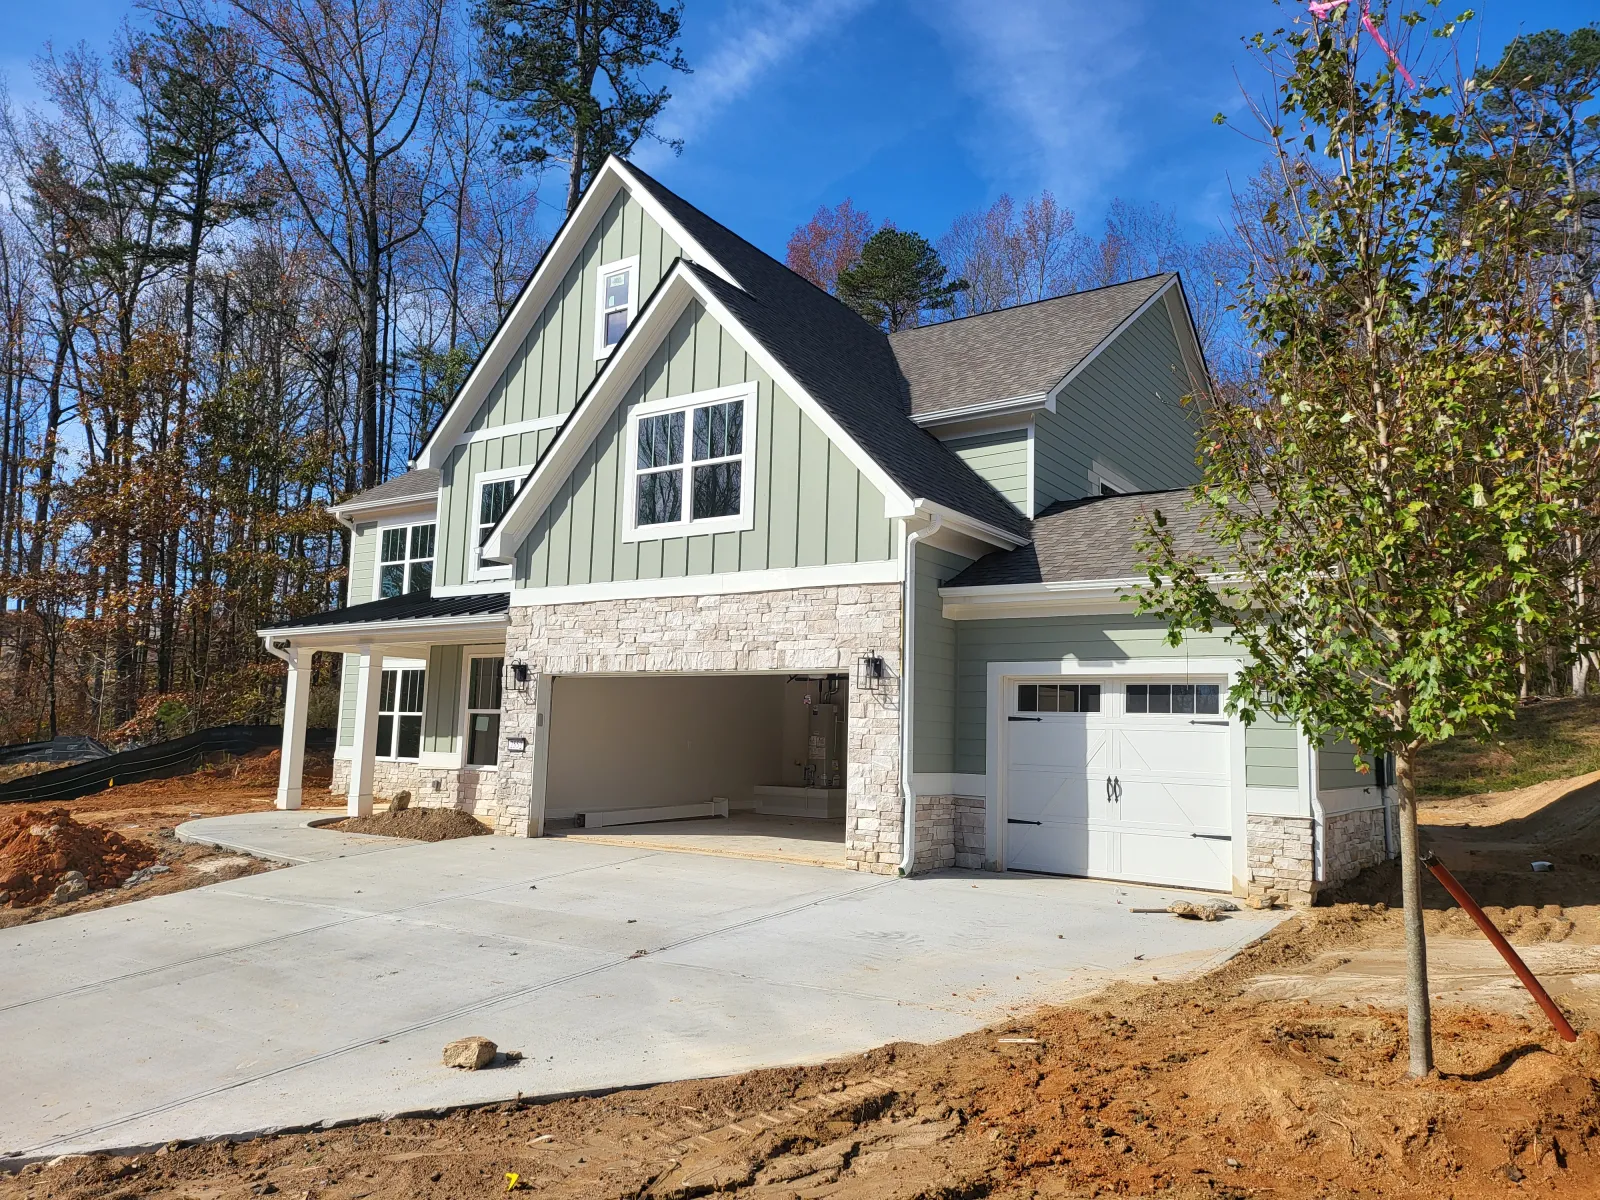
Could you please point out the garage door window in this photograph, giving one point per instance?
(1058, 697)
(483, 711)
(400, 714)
(1174, 698)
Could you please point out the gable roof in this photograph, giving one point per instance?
(1015, 352)
(844, 363)
(1083, 541)
(411, 487)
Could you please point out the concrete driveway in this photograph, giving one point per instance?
(324, 992)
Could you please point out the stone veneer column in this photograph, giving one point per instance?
(802, 631)
(1280, 854)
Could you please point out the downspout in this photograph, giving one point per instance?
(908, 824)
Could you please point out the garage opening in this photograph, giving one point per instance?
(745, 765)
(1119, 779)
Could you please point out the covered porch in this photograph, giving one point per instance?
(421, 695)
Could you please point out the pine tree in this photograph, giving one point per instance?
(899, 278)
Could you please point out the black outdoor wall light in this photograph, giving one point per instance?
(871, 672)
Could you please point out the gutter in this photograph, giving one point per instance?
(908, 824)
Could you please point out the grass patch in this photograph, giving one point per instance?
(1553, 739)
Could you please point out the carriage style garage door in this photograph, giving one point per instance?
(1119, 779)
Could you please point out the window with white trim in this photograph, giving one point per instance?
(687, 464)
(483, 711)
(405, 559)
(1181, 698)
(400, 714)
(495, 492)
(1058, 697)
(616, 301)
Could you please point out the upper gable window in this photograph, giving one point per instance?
(615, 303)
(405, 560)
(688, 464)
(495, 490)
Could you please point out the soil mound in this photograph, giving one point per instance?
(39, 846)
(418, 824)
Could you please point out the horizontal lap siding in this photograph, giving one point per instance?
(934, 739)
(1001, 460)
(550, 371)
(1271, 755)
(1049, 639)
(812, 507)
(1336, 768)
(1125, 410)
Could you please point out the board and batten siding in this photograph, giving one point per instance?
(933, 741)
(551, 369)
(812, 506)
(1001, 460)
(363, 562)
(1125, 411)
(1091, 638)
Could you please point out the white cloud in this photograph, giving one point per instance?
(1052, 78)
(751, 42)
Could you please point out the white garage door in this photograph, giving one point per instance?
(1123, 780)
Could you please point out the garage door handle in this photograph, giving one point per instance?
(1208, 722)
(1214, 837)
(1024, 718)
(1015, 821)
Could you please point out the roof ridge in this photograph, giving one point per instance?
(995, 312)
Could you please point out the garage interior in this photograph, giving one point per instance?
(750, 765)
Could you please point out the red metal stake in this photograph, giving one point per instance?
(1498, 941)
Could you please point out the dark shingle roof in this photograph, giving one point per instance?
(413, 606)
(1021, 351)
(841, 360)
(413, 485)
(1080, 541)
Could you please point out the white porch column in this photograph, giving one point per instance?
(369, 681)
(296, 696)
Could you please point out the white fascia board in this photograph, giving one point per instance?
(1194, 355)
(1127, 323)
(960, 522)
(731, 583)
(483, 587)
(670, 300)
(1012, 406)
(438, 630)
(372, 510)
(542, 284)
(1037, 599)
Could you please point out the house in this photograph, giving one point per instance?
(695, 538)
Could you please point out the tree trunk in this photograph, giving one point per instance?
(1419, 1016)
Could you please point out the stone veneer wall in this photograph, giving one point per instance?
(1352, 842)
(972, 832)
(470, 791)
(1280, 855)
(950, 832)
(802, 630)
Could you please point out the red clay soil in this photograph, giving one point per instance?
(39, 846)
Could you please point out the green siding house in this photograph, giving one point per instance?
(695, 548)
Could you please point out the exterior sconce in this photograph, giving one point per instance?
(519, 676)
(871, 671)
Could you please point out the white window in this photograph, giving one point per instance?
(405, 559)
(495, 491)
(688, 464)
(400, 714)
(616, 300)
(1108, 481)
(1204, 698)
(483, 711)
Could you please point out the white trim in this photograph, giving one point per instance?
(985, 409)
(404, 664)
(476, 571)
(468, 656)
(745, 518)
(1032, 509)
(515, 429)
(429, 630)
(356, 512)
(1275, 802)
(1038, 599)
(378, 562)
(1119, 483)
(1001, 674)
(558, 258)
(948, 783)
(1126, 324)
(729, 584)
(486, 587)
(629, 267)
(609, 387)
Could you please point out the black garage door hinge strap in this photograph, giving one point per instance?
(1015, 821)
(1192, 722)
(1024, 718)
(1214, 837)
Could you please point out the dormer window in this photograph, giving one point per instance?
(405, 560)
(616, 301)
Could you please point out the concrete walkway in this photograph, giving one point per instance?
(324, 992)
(284, 837)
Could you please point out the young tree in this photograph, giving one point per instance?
(1393, 505)
(828, 243)
(897, 280)
(572, 75)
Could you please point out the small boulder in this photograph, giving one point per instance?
(72, 885)
(400, 802)
(469, 1053)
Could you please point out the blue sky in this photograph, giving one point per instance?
(921, 109)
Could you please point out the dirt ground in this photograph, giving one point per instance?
(149, 812)
(419, 824)
(1282, 1074)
